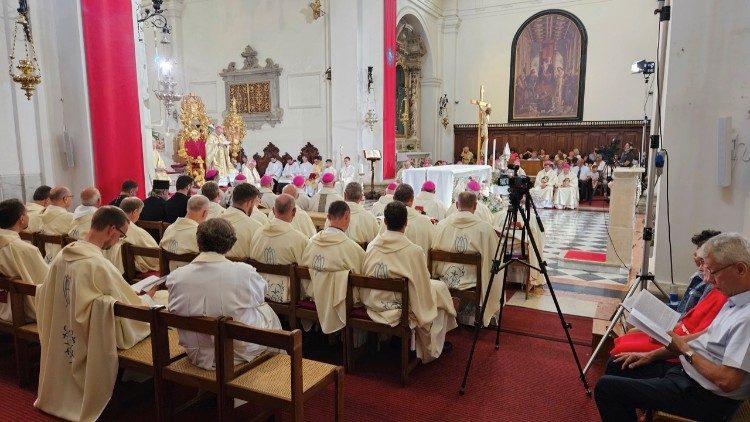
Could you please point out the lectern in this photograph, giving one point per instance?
(372, 155)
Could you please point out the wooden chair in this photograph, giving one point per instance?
(363, 245)
(42, 240)
(28, 237)
(129, 253)
(357, 318)
(287, 309)
(182, 371)
(278, 381)
(146, 356)
(469, 258)
(154, 228)
(6, 327)
(166, 257)
(25, 333)
(304, 308)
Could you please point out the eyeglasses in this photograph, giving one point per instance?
(713, 273)
(122, 233)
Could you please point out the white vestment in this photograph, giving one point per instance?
(259, 216)
(464, 232)
(363, 226)
(81, 223)
(378, 207)
(20, 261)
(543, 190)
(244, 229)
(251, 174)
(289, 172)
(348, 174)
(431, 205)
(278, 243)
(79, 333)
(160, 167)
(274, 169)
(136, 236)
(322, 200)
(213, 286)
(214, 210)
(302, 201)
(419, 229)
(217, 155)
(331, 256)
(179, 238)
(482, 212)
(56, 221)
(267, 197)
(432, 315)
(34, 211)
(305, 168)
(566, 194)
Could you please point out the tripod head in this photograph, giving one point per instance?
(518, 187)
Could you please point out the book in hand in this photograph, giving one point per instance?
(652, 316)
(148, 283)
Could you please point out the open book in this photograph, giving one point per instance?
(652, 316)
(372, 154)
(148, 283)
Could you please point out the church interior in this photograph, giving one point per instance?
(374, 210)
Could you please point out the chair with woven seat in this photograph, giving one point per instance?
(467, 258)
(278, 381)
(287, 270)
(25, 333)
(357, 318)
(166, 257)
(129, 253)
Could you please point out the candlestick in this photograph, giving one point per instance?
(494, 147)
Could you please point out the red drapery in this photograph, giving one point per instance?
(389, 90)
(109, 45)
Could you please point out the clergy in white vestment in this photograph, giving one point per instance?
(379, 206)
(483, 211)
(238, 179)
(132, 207)
(400, 173)
(302, 200)
(238, 216)
(419, 229)
(331, 255)
(302, 221)
(274, 170)
(260, 215)
(91, 200)
(305, 167)
(291, 170)
(160, 167)
(348, 172)
(18, 260)
(248, 169)
(428, 202)
(566, 192)
(56, 220)
(217, 153)
(267, 195)
(392, 255)
(464, 232)
(36, 207)
(78, 331)
(278, 243)
(363, 226)
(544, 186)
(214, 286)
(326, 195)
(211, 191)
(179, 237)
(329, 168)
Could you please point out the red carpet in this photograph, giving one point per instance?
(527, 379)
(585, 256)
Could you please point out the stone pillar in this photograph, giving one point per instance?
(451, 24)
(622, 214)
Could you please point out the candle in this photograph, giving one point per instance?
(494, 147)
(361, 169)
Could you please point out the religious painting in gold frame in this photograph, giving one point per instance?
(548, 68)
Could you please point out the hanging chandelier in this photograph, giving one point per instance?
(29, 77)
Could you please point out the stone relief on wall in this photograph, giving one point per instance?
(410, 51)
(255, 88)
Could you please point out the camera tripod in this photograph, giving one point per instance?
(505, 247)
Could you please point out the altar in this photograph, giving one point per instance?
(446, 178)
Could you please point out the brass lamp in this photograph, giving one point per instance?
(29, 77)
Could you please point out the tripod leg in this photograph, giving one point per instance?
(511, 220)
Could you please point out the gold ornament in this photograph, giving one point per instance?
(194, 126)
(29, 77)
(234, 130)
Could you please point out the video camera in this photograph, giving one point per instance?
(518, 186)
(609, 152)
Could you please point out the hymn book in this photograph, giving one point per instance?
(148, 283)
(652, 316)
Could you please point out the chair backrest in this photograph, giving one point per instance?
(130, 252)
(42, 240)
(28, 237)
(151, 225)
(466, 258)
(397, 285)
(165, 257)
(18, 292)
(289, 341)
(286, 270)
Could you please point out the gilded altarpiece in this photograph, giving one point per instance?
(255, 89)
(410, 54)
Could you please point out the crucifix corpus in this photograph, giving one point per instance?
(484, 109)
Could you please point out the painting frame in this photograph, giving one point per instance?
(514, 117)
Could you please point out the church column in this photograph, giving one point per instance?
(389, 89)
(451, 24)
(109, 43)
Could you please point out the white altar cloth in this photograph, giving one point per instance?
(445, 178)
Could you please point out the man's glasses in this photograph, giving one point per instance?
(713, 273)
(122, 233)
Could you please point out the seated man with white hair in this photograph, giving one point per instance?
(428, 202)
(326, 195)
(214, 286)
(566, 189)
(267, 197)
(544, 186)
(301, 221)
(91, 200)
(363, 226)
(482, 211)
(378, 207)
(179, 237)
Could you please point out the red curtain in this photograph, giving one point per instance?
(109, 45)
(389, 90)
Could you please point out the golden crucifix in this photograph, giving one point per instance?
(483, 120)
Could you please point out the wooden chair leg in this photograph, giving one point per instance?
(339, 399)
(23, 362)
(349, 349)
(405, 358)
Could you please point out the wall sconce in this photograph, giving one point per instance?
(317, 9)
(29, 77)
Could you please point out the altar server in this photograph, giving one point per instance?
(566, 192)
(331, 255)
(429, 202)
(179, 237)
(278, 243)
(326, 195)
(91, 200)
(267, 195)
(18, 260)
(56, 219)
(274, 170)
(378, 207)
(291, 169)
(34, 209)
(78, 332)
(348, 172)
(392, 255)
(544, 186)
(464, 232)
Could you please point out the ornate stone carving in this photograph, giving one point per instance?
(410, 50)
(255, 88)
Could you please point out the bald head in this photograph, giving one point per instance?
(197, 208)
(466, 201)
(290, 190)
(91, 197)
(60, 196)
(283, 208)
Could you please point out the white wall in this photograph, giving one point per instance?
(706, 79)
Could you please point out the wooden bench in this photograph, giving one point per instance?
(468, 258)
